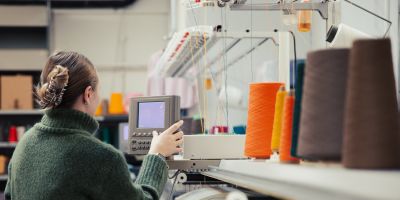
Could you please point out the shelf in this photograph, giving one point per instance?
(4, 177)
(308, 182)
(112, 118)
(21, 112)
(20, 71)
(23, 59)
(7, 145)
(24, 16)
(108, 118)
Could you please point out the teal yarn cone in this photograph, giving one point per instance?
(106, 136)
(298, 92)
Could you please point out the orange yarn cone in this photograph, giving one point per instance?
(208, 83)
(116, 106)
(99, 110)
(287, 125)
(261, 111)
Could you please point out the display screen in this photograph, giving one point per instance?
(151, 115)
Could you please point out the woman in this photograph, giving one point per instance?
(59, 158)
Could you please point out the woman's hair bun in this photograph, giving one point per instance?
(50, 93)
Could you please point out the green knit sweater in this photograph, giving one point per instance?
(59, 158)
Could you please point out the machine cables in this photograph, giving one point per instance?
(175, 176)
(292, 75)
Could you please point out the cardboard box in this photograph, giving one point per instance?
(16, 92)
(3, 164)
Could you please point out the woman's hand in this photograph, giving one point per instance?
(168, 142)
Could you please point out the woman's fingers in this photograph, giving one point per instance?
(172, 129)
(155, 134)
(178, 135)
(178, 150)
(168, 142)
(179, 142)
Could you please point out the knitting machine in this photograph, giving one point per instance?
(148, 114)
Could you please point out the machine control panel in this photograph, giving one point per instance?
(148, 114)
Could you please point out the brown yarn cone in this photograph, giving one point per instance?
(324, 90)
(197, 126)
(187, 125)
(371, 135)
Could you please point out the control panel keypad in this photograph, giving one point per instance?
(140, 142)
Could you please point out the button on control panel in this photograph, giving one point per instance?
(140, 142)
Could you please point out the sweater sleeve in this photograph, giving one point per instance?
(7, 190)
(149, 185)
(153, 174)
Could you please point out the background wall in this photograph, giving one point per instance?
(119, 42)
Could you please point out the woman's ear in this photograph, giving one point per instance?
(88, 95)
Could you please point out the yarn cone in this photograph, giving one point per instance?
(371, 132)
